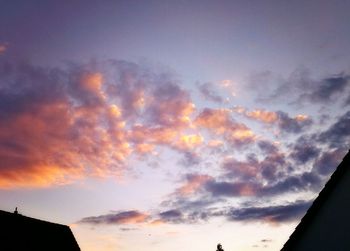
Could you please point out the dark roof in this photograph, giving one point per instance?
(322, 198)
(18, 232)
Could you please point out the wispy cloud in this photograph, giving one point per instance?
(125, 217)
(271, 214)
(209, 93)
(281, 119)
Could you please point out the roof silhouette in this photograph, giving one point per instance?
(326, 224)
(18, 232)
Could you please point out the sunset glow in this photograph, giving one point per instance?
(171, 125)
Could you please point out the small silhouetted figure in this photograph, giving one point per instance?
(219, 247)
(16, 211)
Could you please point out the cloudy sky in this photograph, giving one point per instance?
(169, 125)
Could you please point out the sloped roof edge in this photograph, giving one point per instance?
(19, 232)
(318, 202)
(10, 214)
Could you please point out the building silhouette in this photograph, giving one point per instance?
(21, 233)
(326, 225)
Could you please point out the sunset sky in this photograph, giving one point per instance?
(172, 125)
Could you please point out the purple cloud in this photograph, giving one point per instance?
(270, 214)
(125, 217)
(208, 92)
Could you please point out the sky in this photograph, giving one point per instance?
(169, 125)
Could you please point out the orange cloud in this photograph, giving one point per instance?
(38, 176)
(187, 142)
(283, 121)
(54, 143)
(215, 143)
(92, 82)
(301, 117)
(257, 114)
(60, 125)
(263, 115)
(153, 135)
(144, 148)
(219, 122)
(194, 182)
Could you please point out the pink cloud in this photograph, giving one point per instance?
(3, 48)
(220, 122)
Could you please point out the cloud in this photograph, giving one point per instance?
(219, 122)
(63, 124)
(304, 150)
(293, 125)
(189, 215)
(189, 141)
(172, 216)
(338, 134)
(170, 106)
(328, 161)
(267, 147)
(301, 88)
(208, 92)
(56, 127)
(257, 114)
(281, 119)
(125, 217)
(252, 169)
(270, 214)
(327, 89)
(231, 189)
(190, 159)
(306, 181)
(193, 183)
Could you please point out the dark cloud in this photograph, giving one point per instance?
(126, 229)
(266, 240)
(267, 147)
(271, 166)
(271, 214)
(337, 135)
(300, 88)
(25, 87)
(328, 161)
(292, 125)
(176, 216)
(252, 169)
(242, 170)
(327, 89)
(347, 101)
(208, 92)
(307, 181)
(173, 216)
(190, 159)
(231, 189)
(125, 217)
(304, 150)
